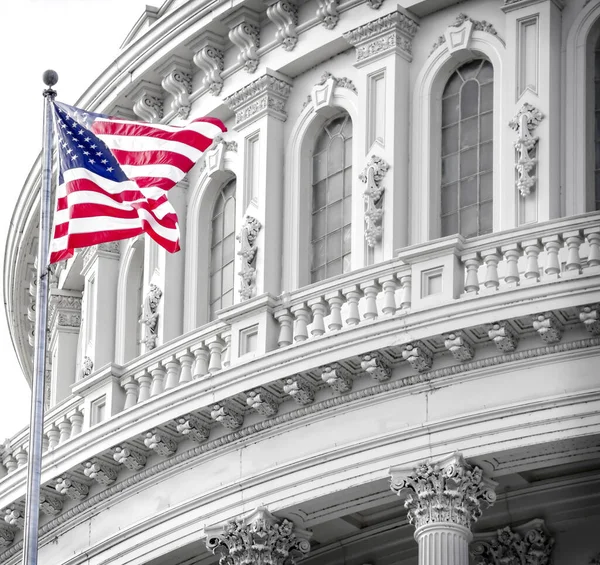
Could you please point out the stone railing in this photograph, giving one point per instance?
(421, 278)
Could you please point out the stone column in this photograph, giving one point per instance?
(64, 324)
(383, 57)
(260, 538)
(443, 500)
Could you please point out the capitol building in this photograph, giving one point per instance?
(380, 342)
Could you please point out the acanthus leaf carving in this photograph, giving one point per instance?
(590, 317)
(337, 377)
(503, 336)
(100, 471)
(209, 58)
(129, 457)
(226, 415)
(71, 487)
(327, 12)
(177, 81)
(548, 326)
(418, 355)
(159, 442)
(262, 401)
(300, 390)
(148, 102)
(459, 345)
(460, 39)
(284, 14)
(7, 536)
(248, 249)
(50, 504)
(375, 365)
(244, 33)
(526, 120)
(372, 175)
(190, 426)
(87, 366)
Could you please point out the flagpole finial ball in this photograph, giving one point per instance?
(50, 77)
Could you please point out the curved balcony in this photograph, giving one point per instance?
(437, 315)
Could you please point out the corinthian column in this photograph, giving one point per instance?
(443, 500)
(260, 539)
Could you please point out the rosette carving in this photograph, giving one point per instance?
(260, 539)
(526, 120)
(450, 491)
(248, 248)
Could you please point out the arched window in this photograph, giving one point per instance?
(596, 198)
(332, 199)
(467, 150)
(222, 251)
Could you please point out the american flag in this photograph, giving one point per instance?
(114, 175)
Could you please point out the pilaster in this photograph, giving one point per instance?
(259, 116)
(533, 87)
(383, 55)
(64, 323)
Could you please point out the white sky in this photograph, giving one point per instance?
(78, 39)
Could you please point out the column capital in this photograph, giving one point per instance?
(392, 33)
(451, 491)
(64, 309)
(266, 95)
(258, 538)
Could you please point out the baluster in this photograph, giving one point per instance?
(319, 310)
(286, 333)
(215, 347)
(158, 379)
(406, 293)
(53, 436)
(552, 245)
(512, 253)
(131, 387)
(573, 241)
(21, 456)
(389, 284)
(491, 258)
(172, 366)
(186, 360)
(472, 262)
(532, 250)
(335, 300)
(144, 380)
(593, 238)
(76, 423)
(45, 443)
(353, 294)
(370, 290)
(65, 430)
(202, 355)
(226, 350)
(301, 320)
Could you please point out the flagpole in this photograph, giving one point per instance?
(36, 423)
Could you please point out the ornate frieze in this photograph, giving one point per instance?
(327, 12)
(244, 33)
(391, 33)
(150, 316)
(458, 33)
(261, 539)
(299, 389)
(227, 416)
(192, 427)
(100, 471)
(376, 366)
(177, 81)
(590, 317)
(148, 102)
(129, 457)
(266, 95)
(372, 176)
(64, 310)
(262, 401)
(71, 487)
(503, 336)
(418, 355)
(208, 57)
(284, 14)
(530, 543)
(161, 443)
(548, 326)
(459, 345)
(337, 377)
(450, 491)
(526, 120)
(248, 248)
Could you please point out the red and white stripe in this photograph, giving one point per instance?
(91, 209)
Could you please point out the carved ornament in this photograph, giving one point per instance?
(100, 471)
(64, 310)
(14, 515)
(7, 536)
(208, 57)
(337, 377)
(418, 355)
(177, 81)
(263, 402)
(72, 488)
(226, 415)
(459, 345)
(244, 33)
(526, 120)
(590, 317)
(248, 248)
(548, 326)
(449, 491)
(300, 390)
(50, 504)
(150, 316)
(503, 336)
(190, 426)
(376, 366)
(372, 175)
(284, 14)
(322, 93)
(129, 457)
(327, 12)
(148, 102)
(458, 33)
(87, 366)
(160, 443)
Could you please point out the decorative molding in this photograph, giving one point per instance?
(526, 120)
(322, 93)
(458, 33)
(129, 457)
(227, 416)
(148, 102)
(260, 538)
(262, 401)
(284, 14)
(391, 33)
(7, 536)
(266, 95)
(375, 4)
(337, 377)
(376, 366)
(548, 326)
(209, 58)
(50, 504)
(248, 248)
(244, 33)
(190, 426)
(590, 318)
(100, 471)
(299, 389)
(530, 543)
(71, 487)
(503, 336)
(459, 345)
(372, 175)
(150, 316)
(451, 491)
(327, 12)
(418, 355)
(14, 515)
(177, 81)
(64, 310)
(159, 442)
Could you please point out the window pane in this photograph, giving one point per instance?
(486, 187)
(468, 221)
(453, 85)
(486, 74)
(216, 260)
(319, 225)
(470, 70)
(449, 140)
(347, 210)
(347, 129)
(335, 155)
(348, 181)
(486, 127)
(347, 263)
(217, 228)
(485, 218)
(348, 152)
(486, 156)
(449, 224)
(227, 277)
(334, 216)
(334, 246)
(469, 99)
(229, 217)
(450, 110)
(319, 195)
(228, 248)
(319, 167)
(215, 286)
(335, 187)
(469, 133)
(486, 102)
(449, 169)
(468, 163)
(334, 268)
(227, 299)
(468, 192)
(319, 253)
(450, 198)
(347, 238)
